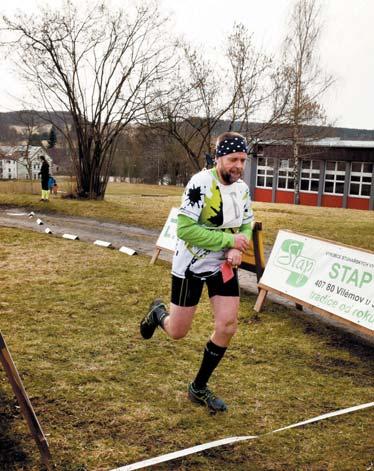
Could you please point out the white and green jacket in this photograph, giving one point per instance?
(210, 214)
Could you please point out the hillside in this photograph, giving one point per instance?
(11, 119)
(164, 154)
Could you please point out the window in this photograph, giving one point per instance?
(285, 175)
(265, 172)
(334, 177)
(310, 175)
(361, 177)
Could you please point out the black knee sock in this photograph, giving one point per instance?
(212, 356)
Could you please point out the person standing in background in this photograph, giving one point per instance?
(52, 185)
(44, 174)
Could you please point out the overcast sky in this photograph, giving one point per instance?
(346, 48)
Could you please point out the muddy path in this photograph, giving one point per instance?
(87, 229)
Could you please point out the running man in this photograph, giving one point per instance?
(213, 229)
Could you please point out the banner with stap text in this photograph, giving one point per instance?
(335, 278)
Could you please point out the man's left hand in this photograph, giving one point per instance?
(234, 256)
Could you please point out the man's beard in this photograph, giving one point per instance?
(228, 178)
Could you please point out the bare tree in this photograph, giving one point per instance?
(190, 104)
(30, 126)
(205, 99)
(151, 155)
(98, 64)
(304, 81)
(250, 83)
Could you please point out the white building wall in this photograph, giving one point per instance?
(35, 155)
(8, 169)
(12, 166)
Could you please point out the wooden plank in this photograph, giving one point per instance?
(25, 404)
(155, 256)
(322, 312)
(260, 299)
(254, 259)
(157, 252)
(248, 257)
(258, 248)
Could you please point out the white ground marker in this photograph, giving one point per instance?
(32, 214)
(127, 250)
(70, 236)
(103, 243)
(227, 441)
(48, 230)
(40, 222)
(17, 214)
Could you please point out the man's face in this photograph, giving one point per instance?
(230, 167)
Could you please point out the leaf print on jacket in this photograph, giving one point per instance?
(212, 212)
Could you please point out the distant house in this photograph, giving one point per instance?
(8, 168)
(16, 160)
(334, 173)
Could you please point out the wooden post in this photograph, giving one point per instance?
(260, 300)
(25, 404)
(155, 255)
(254, 259)
(258, 249)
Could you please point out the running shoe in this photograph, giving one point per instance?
(150, 322)
(206, 397)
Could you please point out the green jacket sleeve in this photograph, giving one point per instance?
(246, 229)
(192, 233)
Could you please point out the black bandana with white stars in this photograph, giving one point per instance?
(231, 145)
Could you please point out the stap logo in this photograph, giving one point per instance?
(290, 258)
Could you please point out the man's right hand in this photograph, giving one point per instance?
(241, 242)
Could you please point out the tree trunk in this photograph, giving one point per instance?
(296, 167)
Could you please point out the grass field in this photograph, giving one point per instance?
(70, 313)
(149, 205)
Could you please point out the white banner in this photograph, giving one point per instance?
(335, 278)
(168, 236)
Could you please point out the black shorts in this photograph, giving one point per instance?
(187, 291)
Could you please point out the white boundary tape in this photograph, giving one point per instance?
(230, 440)
(326, 416)
(181, 453)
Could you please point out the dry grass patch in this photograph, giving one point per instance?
(33, 187)
(149, 205)
(348, 226)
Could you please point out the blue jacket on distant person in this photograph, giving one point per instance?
(51, 182)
